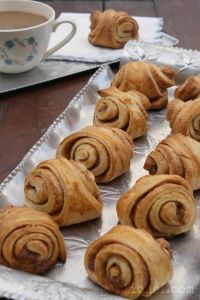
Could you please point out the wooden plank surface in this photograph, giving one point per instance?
(182, 20)
(135, 8)
(26, 115)
(74, 6)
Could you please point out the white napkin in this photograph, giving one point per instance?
(79, 48)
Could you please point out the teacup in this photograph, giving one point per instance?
(23, 47)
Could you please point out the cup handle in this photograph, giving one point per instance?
(64, 40)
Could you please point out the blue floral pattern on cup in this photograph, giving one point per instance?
(6, 50)
(9, 44)
(31, 40)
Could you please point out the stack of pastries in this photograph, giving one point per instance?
(63, 191)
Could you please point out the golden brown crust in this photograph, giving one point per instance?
(184, 117)
(104, 151)
(64, 189)
(141, 99)
(125, 261)
(148, 79)
(165, 246)
(159, 103)
(121, 110)
(189, 90)
(112, 29)
(163, 205)
(177, 154)
(29, 240)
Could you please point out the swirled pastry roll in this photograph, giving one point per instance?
(148, 79)
(106, 152)
(29, 240)
(64, 189)
(178, 154)
(112, 29)
(184, 117)
(189, 90)
(162, 204)
(121, 110)
(129, 262)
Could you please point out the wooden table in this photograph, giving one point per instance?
(26, 115)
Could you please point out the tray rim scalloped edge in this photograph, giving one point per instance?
(73, 102)
(25, 86)
(45, 136)
(65, 288)
(14, 294)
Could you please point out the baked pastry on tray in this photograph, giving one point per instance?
(177, 154)
(126, 111)
(64, 189)
(189, 90)
(129, 262)
(148, 79)
(163, 205)
(29, 240)
(112, 29)
(106, 152)
(184, 117)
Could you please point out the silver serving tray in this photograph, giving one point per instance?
(70, 281)
(56, 67)
(47, 71)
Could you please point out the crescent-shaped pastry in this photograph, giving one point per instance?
(121, 110)
(106, 152)
(148, 79)
(177, 154)
(184, 117)
(189, 90)
(64, 189)
(163, 205)
(129, 262)
(29, 240)
(112, 29)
